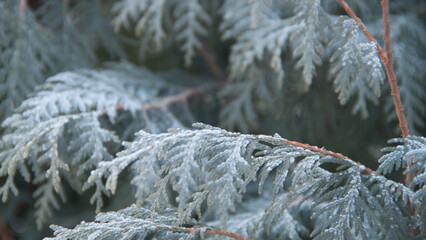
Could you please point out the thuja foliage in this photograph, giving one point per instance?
(101, 104)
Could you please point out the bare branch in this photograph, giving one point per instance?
(399, 109)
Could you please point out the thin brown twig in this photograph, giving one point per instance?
(220, 232)
(366, 170)
(392, 80)
(181, 97)
(399, 109)
(165, 102)
(386, 59)
(211, 61)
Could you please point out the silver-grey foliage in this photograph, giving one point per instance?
(59, 130)
(31, 48)
(410, 154)
(127, 224)
(265, 30)
(213, 166)
(153, 25)
(217, 173)
(25, 56)
(64, 135)
(81, 29)
(356, 65)
(269, 33)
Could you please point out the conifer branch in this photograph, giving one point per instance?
(220, 232)
(63, 135)
(386, 59)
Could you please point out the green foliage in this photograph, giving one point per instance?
(101, 103)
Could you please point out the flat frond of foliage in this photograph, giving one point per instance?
(248, 49)
(260, 35)
(265, 31)
(130, 223)
(258, 220)
(195, 170)
(355, 66)
(190, 26)
(153, 25)
(355, 205)
(410, 154)
(148, 16)
(60, 128)
(236, 18)
(30, 51)
(252, 88)
(309, 38)
(213, 166)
